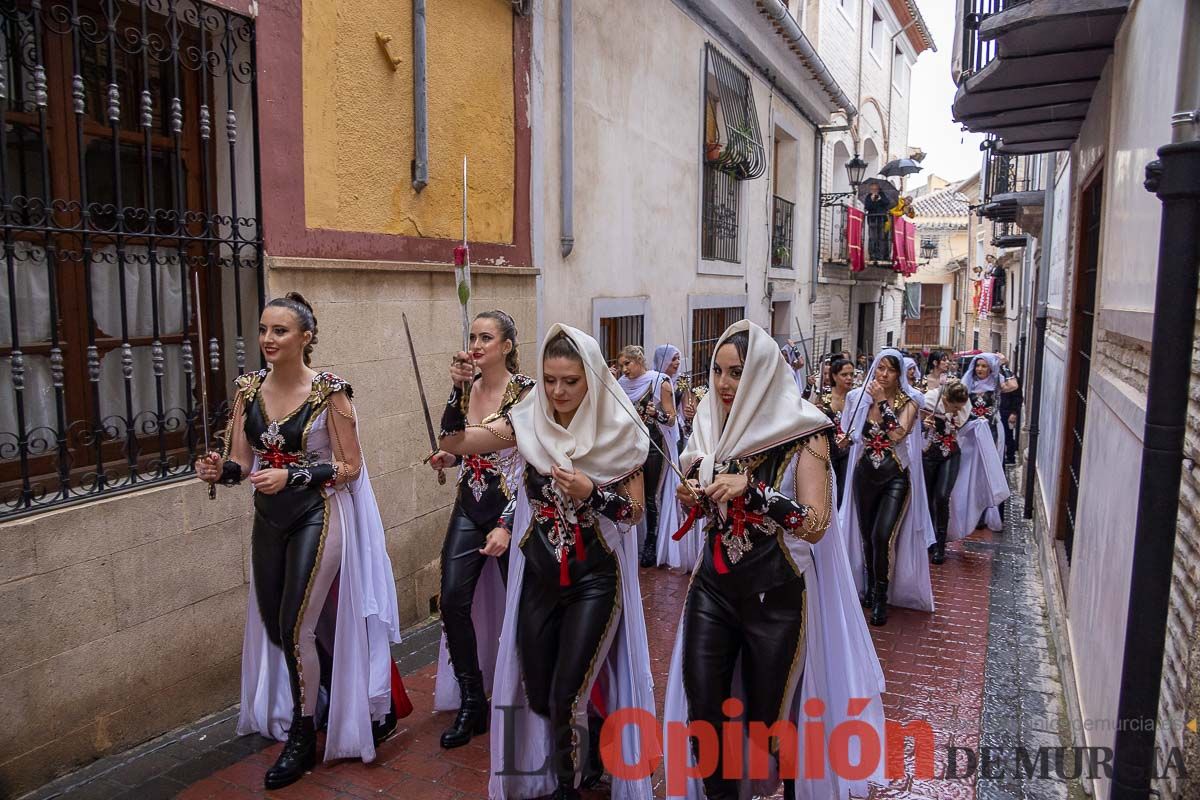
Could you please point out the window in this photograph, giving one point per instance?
(620, 332)
(900, 70)
(889, 338)
(120, 194)
(781, 321)
(835, 347)
(707, 326)
(876, 32)
(733, 152)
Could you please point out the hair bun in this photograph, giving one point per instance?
(299, 298)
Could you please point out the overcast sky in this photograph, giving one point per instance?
(952, 153)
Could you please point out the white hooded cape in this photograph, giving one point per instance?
(840, 663)
(909, 583)
(368, 623)
(981, 485)
(606, 443)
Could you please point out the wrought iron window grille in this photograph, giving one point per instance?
(742, 154)
(707, 326)
(782, 215)
(130, 163)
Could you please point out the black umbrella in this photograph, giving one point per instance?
(900, 167)
(886, 188)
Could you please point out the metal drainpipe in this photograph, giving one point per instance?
(1175, 178)
(818, 165)
(566, 182)
(420, 164)
(1039, 340)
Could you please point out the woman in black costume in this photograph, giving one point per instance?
(573, 608)
(316, 532)
(833, 404)
(476, 533)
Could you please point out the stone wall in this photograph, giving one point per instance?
(122, 618)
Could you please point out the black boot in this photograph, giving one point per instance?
(868, 597)
(299, 754)
(939, 553)
(472, 719)
(593, 767)
(382, 731)
(565, 791)
(879, 604)
(649, 556)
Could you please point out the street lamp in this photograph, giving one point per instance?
(929, 249)
(855, 169)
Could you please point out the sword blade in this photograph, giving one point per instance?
(202, 373)
(412, 352)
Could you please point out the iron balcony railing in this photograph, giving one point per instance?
(129, 167)
(719, 222)
(782, 216)
(1006, 173)
(977, 53)
(835, 243)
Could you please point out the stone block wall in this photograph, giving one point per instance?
(122, 618)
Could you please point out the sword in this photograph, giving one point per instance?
(203, 361)
(808, 364)
(433, 442)
(866, 382)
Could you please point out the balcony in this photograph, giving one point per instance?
(1006, 235)
(782, 216)
(1011, 193)
(1026, 69)
(875, 242)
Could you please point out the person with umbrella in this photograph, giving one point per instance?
(877, 205)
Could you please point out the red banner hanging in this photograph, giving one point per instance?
(855, 219)
(985, 297)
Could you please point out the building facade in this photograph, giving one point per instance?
(1098, 123)
(676, 182)
(258, 147)
(934, 294)
(870, 47)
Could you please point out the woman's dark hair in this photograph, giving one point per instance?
(935, 357)
(740, 342)
(895, 363)
(508, 333)
(836, 365)
(561, 346)
(295, 302)
(955, 392)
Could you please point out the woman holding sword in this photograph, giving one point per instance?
(317, 556)
(475, 550)
(574, 610)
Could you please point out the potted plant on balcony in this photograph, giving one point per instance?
(712, 151)
(783, 255)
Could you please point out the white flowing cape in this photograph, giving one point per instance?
(624, 677)
(368, 623)
(909, 585)
(840, 665)
(981, 485)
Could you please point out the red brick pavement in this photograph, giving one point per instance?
(933, 664)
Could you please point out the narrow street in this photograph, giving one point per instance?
(979, 670)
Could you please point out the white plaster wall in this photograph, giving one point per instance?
(1098, 596)
(1051, 422)
(1060, 236)
(639, 66)
(1143, 98)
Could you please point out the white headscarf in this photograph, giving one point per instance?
(859, 410)
(989, 384)
(767, 409)
(911, 363)
(664, 354)
(605, 439)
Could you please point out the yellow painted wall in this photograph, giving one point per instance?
(358, 118)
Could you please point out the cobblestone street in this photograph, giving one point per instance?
(980, 670)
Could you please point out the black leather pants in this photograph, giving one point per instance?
(560, 630)
(940, 474)
(768, 635)
(654, 468)
(295, 558)
(881, 496)
(462, 564)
